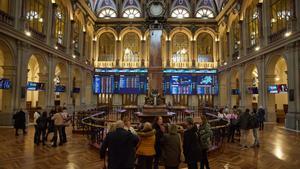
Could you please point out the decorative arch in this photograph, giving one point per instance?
(68, 5)
(130, 29)
(205, 30)
(272, 61)
(182, 30)
(9, 59)
(232, 17)
(105, 30)
(80, 17)
(41, 59)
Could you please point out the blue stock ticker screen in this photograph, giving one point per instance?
(120, 84)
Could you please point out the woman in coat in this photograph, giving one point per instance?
(205, 135)
(171, 148)
(146, 150)
(191, 144)
(42, 122)
(19, 121)
(158, 125)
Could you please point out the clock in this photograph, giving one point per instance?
(156, 9)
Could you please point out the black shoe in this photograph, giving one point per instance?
(54, 145)
(60, 144)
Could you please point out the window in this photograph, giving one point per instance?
(180, 13)
(281, 13)
(205, 45)
(106, 47)
(205, 13)
(107, 13)
(131, 13)
(252, 17)
(60, 18)
(4, 5)
(180, 48)
(131, 47)
(34, 14)
(76, 32)
(236, 35)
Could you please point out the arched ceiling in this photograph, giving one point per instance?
(214, 5)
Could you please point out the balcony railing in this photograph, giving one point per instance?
(180, 64)
(106, 64)
(206, 65)
(37, 35)
(6, 18)
(276, 36)
(130, 64)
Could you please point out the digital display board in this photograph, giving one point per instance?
(104, 84)
(132, 84)
(276, 89)
(33, 86)
(252, 90)
(5, 83)
(60, 88)
(181, 85)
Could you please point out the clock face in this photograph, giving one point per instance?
(156, 9)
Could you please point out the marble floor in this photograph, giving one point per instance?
(280, 149)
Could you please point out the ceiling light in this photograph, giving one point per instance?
(74, 56)
(277, 78)
(27, 33)
(288, 33)
(225, 63)
(55, 47)
(238, 57)
(257, 48)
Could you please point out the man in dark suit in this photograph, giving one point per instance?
(20, 120)
(121, 148)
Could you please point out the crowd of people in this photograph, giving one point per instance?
(242, 123)
(157, 143)
(44, 124)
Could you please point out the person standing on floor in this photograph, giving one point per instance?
(42, 127)
(191, 144)
(58, 124)
(67, 120)
(36, 115)
(146, 150)
(171, 148)
(244, 127)
(20, 121)
(261, 117)
(159, 127)
(50, 124)
(254, 125)
(205, 133)
(121, 146)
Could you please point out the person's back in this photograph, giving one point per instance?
(147, 143)
(171, 148)
(42, 122)
(58, 119)
(244, 120)
(121, 148)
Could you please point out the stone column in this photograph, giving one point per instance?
(245, 38)
(193, 53)
(143, 52)
(242, 87)
(247, 98)
(8, 99)
(297, 10)
(17, 13)
(261, 83)
(293, 115)
(83, 47)
(48, 22)
(168, 42)
(71, 45)
(51, 74)
(53, 20)
(228, 82)
(229, 49)
(260, 26)
(69, 85)
(43, 95)
(270, 99)
(119, 53)
(266, 26)
(241, 45)
(95, 54)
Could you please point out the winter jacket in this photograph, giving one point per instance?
(171, 149)
(244, 121)
(121, 149)
(42, 122)
(19, 119)
(147, 143)
(205, 135)
(58, 119)
(191, 146)
(253, 121)
(261, 115)
(158, 136)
